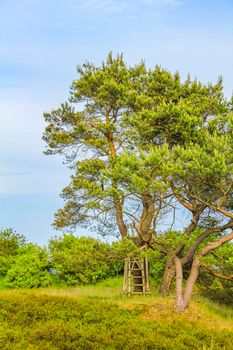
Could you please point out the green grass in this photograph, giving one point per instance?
(99, 317)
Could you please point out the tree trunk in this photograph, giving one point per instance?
(179, 304)
(168, 275)
(191, 281)
(183, 299)
(170, 271)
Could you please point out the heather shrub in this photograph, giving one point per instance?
(30, 321)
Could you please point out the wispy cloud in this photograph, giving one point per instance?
(15, 173)
(107, 7)
(161, 2)
(113, 8)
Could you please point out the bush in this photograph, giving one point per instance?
(30, 268)
(10, 243)
(87, 260)
(80, 260)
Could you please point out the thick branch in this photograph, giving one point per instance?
(181, 199)
(214, 245)
(190, 252)
(196, 216)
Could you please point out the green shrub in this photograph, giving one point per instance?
(80, 260)
(10, 243)
(30, 268)
(86, 260)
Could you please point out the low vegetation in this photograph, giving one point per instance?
(68, 296)
(98, 317)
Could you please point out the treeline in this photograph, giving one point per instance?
(68, 260)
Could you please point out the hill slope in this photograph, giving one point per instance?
(100, 318)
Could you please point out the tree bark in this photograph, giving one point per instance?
(179, 304)
(146, 218)
(187, 258)
(191, 282)
(168, 275)
(169, 271)
(119, 216)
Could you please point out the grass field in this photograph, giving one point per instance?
(99, 317)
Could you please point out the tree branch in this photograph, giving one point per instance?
(217, 274)
(214, 245)
(181, 199)
(190, 252)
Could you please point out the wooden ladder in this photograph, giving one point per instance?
(133, 283)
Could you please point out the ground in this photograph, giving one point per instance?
(99, 317)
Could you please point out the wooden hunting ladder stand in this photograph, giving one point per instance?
(136, 277)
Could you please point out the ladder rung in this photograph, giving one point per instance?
(140, 276)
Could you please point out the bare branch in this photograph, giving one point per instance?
(217, 274)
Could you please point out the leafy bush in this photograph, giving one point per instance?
(30, 268)
(87, 260)
(156, 265)
(80, 260)
(10, 243)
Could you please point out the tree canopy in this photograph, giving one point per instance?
(142, 143)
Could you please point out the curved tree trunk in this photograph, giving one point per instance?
(169, 271)
(191, 282)
(168, 275)
(179, 304)
(118, 200)
(183, 298)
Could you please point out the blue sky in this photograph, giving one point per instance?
(42, 41)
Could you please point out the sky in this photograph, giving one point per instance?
(41, 43)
